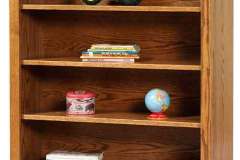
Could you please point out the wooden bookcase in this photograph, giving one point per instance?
(186, 50)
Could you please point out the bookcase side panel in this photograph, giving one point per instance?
(22, 137)
(217, 97)
(15, 80)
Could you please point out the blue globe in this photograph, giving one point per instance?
(157, 100)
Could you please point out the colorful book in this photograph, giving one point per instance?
(115, 45)
(107, 54)
(110, 52)
(108, 60)
(110, 57)
(110, 47)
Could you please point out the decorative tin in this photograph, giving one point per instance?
(80, 102)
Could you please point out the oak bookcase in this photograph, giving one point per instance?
(186, 50)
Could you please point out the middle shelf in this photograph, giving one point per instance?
(119, 94)
(60, 7)
(117, 118)
(75, 62)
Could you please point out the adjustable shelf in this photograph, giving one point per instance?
(76, 62)
(116, 118)
(110, 8)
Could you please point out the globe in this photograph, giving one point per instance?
(91, 2)
(157, 101)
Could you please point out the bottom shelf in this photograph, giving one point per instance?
(116, 118)
(118, 142)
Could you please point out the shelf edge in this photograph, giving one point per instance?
(110, 65)
(176, 124)
(110, 8)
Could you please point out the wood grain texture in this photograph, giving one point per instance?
(15, 80)
(171, 41)
(121, 142)
(76, 62)
(117, 90)
(30, 84)
(30, 42)
(111, 8)
(30, 142)
(159, 35)
(217, 64)
(116, 118)
(195, 3)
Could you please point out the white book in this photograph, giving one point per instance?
(65, 155)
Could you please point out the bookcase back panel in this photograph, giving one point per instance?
(163, 38)
(106, 2)
(117, 90)
(30, 142)
(118, 142)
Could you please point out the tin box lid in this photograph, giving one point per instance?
(80, 94)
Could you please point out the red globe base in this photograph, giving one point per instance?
(158, 116)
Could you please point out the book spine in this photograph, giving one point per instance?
(71, 156)
(97, 52)
(113, 49)
(109, 60)
(110, 57)
(74, 158)
(114, 45)
(121, 47)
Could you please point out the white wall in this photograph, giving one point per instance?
(236, 80)
(4, 81)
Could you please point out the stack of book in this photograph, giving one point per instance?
(111, 53)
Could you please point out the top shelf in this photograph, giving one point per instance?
(110, 8)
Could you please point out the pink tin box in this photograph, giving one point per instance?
(80, 102)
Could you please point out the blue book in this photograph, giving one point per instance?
(110, 52)
(113, 52)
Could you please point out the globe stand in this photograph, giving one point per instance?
(159, 116)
